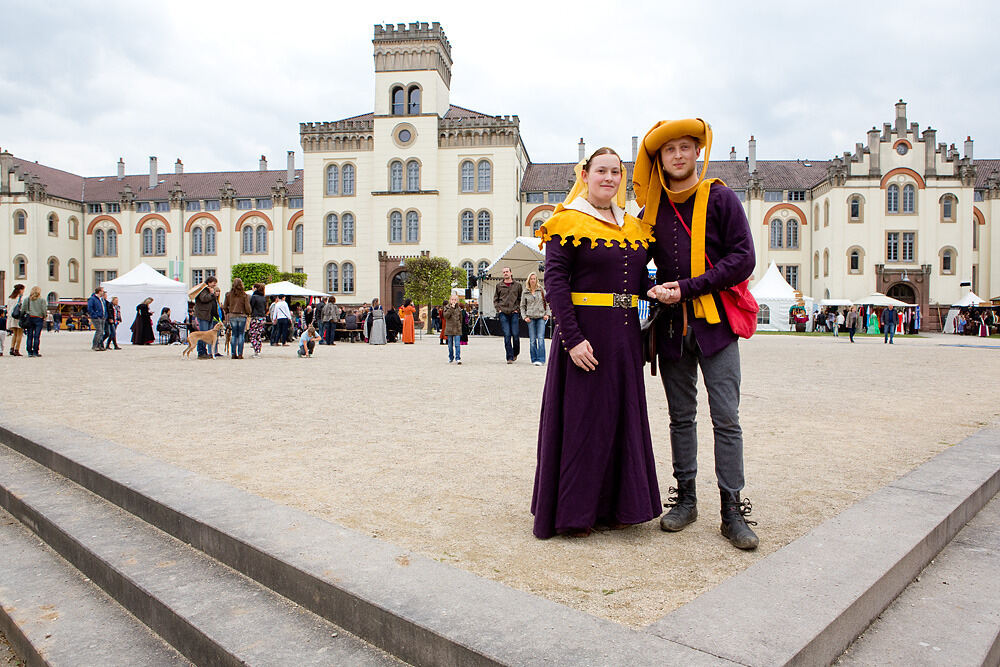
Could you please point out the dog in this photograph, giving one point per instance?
(206, 337)
(229, 337)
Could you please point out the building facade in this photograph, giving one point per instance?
(901, 213)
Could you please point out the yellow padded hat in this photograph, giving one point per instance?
(648, 180)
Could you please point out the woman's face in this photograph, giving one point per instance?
(603, 177)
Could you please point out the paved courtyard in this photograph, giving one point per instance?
(393, 442)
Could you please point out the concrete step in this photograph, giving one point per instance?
(207, 611)
(949, 615)
(54, 615)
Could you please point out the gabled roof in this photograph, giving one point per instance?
(58, 183)
(984, 168)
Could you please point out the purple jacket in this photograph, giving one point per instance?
(729, 246)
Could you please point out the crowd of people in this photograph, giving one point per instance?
(976, 321)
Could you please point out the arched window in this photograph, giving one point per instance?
(826, 213)
(412, 227)
(332, 229)
(161, 241)
(20, 223)
(398, 101)
(20, 267)
(468, 176)
(247, 240)
(792, 229)
(53, 299)
(535, 225)
(826, 262)
(348, 176)
(484, 227)
(947, 261)
(485, 180)
(414, 106)
(468, 268)
(348, 277)
(99, 243)
(73, 268)
(395, 227)
(764, 314)
(855, 208)
(908, 197)
(53, 268)
(975, 233)
(468, 227)
(348, 238)
(948, 208)
(776, 233)
(482, 266)
(332, 278)
(396, 176)
(412, 176)
(299, 238)
(147, 241)
(74, 228)
(197, 241)
(261, 239)
(332, 180)
(816, 264)
(854, 261)
(210, 240)
(112, 246)
(816, 216)
(892, 199)
(53, 224)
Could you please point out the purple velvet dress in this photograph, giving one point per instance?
(595, 455)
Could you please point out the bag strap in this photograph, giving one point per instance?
(688, 230)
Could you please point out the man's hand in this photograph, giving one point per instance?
(583, 356)
(667, 293)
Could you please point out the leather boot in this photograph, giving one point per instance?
(735, 526)
(683, 507)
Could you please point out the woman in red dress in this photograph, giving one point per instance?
(406, 313)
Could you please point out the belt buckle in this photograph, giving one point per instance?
(622, 300)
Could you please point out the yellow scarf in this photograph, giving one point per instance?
(704, 305)
(575, 226)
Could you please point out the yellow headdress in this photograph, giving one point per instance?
(648, 179)
(580, 188)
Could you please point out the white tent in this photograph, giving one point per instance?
(135, 286)
(523, 257)
(970, 299)
(879, 299)
(287, 288)
(776, 297)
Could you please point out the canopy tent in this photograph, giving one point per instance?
(879, 299)
(835, 302)
(286, 288)
(969, 299)
(776, 297)
(136, 286)
(523, 257)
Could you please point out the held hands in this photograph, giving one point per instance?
(666, 293)
(583, 356)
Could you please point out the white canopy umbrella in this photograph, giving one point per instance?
(879, 299)
(287, 288)
(836, 302)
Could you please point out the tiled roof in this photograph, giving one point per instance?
(57, 183)
(555, 176)
(983, 170)
(462, 112)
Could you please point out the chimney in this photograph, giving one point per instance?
(121, 168)
(6, 165)
(582, 149)
(291, 167)
(930, 152)
(915, 130)
(886, 131)
(752, 160)
(873, 152)
(153, 176)
(263, 163)
(635, 148)
(901, 118)
(968, 148)
(178, 167)
(732, 153)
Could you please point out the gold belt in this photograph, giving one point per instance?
(604, 299)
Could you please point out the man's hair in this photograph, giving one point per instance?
(210, 280)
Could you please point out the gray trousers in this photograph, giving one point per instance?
(722, 382)
(99, 332)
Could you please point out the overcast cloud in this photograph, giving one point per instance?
(217, 84)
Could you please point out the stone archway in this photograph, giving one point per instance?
(903, 291)
(397, 289)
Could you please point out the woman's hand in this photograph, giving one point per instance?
(583, 356)
(527, 319)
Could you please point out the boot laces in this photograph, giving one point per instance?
(672, 500)
(744, 509)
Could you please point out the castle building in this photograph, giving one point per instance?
(418, 175)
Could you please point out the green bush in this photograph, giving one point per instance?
(294, 278)
(252, 273)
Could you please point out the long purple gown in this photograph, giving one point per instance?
(595, 455)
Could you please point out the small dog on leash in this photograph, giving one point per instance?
(206, 337)
(229, 337)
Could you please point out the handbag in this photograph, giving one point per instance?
(740, 305)
(15, 313)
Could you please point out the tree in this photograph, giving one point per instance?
(294, 278)
(430, 279)
(253, 273)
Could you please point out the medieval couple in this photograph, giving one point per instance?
(595, 455)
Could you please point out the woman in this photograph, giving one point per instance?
(165, 325)
(142, 327)
(406, 313)
(15, 301)
(237, 308)
(535, 310)
(595, 455)
(258, 316)
(852, 322)
(35, 307)
(375, 324)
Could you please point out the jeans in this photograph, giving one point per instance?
(890, 333)
(510, 323)
(722, 381)
(110, 333)
(203, 325)
(283, 325)
(850, 331)
(239, 325)
(99, 332)
(454, 348)
(536, 339)
(34, 333)
(330, 332)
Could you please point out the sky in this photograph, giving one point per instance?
(218, 83)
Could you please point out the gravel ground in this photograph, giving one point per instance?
(393, 442)
(7, 656)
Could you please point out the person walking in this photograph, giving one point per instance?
(14, 305)
(97, 311)
(852, 322)
(142, 327)
(703, 246)
(114, 318)
(236, 307)
(535, 309)
(838, 322)
(258, 316)
(890, 318)
(35, 307)
(406, 314)
(331, 316)
(57, 319)
(507, 302)
(204, 311)
(451, 324)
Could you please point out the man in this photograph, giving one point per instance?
(97, 312)
(689, 211)
(507, 302)
(889, 321)
(331, 315)
(205, 308)
(282, 317)
(114, 318)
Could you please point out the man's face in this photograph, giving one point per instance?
(453, 300)
(678, 157)
(506, 273)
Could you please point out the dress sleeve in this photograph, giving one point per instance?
(738, 262)
(559, 260)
